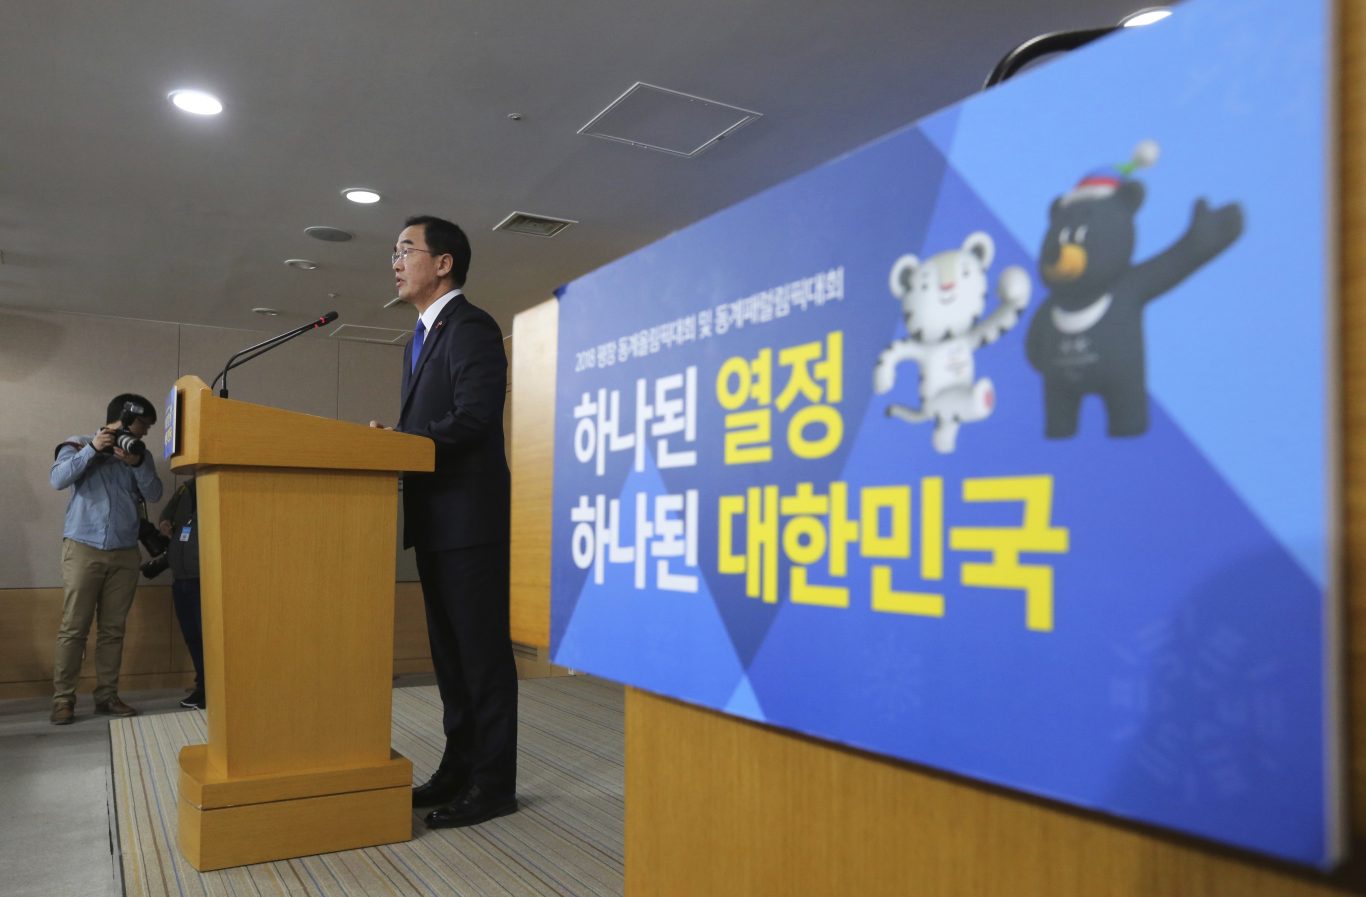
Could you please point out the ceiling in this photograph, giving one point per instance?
(114, 202)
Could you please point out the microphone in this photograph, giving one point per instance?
(265, 346)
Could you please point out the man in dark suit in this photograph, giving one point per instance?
(454, 385)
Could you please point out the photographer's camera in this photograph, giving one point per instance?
(156, 545)
(124, 438)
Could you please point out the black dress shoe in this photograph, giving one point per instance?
(442, 788)
(472, 807)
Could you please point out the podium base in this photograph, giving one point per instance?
(227, 822)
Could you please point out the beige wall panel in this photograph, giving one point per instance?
(57, 374)
(31, 618)
(414, 665)
(154, 650)
(58, 371)
(180, 655)
(533, 458)
(298, 376)
(533, 662)
(369, 379)
(147, 636)
(28, 637)
(129, 685)
(410, 624)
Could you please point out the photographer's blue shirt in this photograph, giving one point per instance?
(103, 510)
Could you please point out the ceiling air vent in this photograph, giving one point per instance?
(668, 121)
(533, 225)
(370, 334)
(327, 234)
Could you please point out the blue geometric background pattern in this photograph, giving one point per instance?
(1135, 624)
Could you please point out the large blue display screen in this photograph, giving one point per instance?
(1000, 445)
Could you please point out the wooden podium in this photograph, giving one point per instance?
(297, 528)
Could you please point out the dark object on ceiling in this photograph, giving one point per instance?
(1043, 45)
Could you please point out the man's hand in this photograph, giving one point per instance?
(130, 459)
(374, 424)
(165, 528)
(103, 440)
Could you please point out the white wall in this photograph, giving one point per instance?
(59, 371)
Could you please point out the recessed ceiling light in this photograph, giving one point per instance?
(363, 195)
(196, 102)
(302, 264)
(1144, 17)
(268, 312)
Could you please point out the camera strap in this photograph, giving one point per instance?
(141, 503)
(61, 445)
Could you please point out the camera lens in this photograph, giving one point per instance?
(128, 442)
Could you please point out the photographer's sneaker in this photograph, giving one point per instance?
(193, 701)
(63, 712)
(114, 707)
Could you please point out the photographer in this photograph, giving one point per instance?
(179, 522)
(109, 475)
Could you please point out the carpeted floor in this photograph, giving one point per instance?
(565, 839)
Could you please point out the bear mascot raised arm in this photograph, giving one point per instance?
(1087, 335)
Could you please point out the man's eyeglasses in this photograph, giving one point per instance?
(403, 253)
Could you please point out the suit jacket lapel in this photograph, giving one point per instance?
(429, 341)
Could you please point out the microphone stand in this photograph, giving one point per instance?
(265, 346)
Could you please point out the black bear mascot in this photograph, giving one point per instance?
(1087, 336)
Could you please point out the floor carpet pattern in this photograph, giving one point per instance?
(566, 838)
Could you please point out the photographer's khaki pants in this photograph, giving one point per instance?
(99, 586)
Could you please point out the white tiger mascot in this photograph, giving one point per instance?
(942, 302)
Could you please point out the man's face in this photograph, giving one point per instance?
(417, 272)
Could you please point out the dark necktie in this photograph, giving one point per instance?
(418, 332)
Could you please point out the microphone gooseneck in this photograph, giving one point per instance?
(265, 346)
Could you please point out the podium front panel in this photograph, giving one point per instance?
(298, 586)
